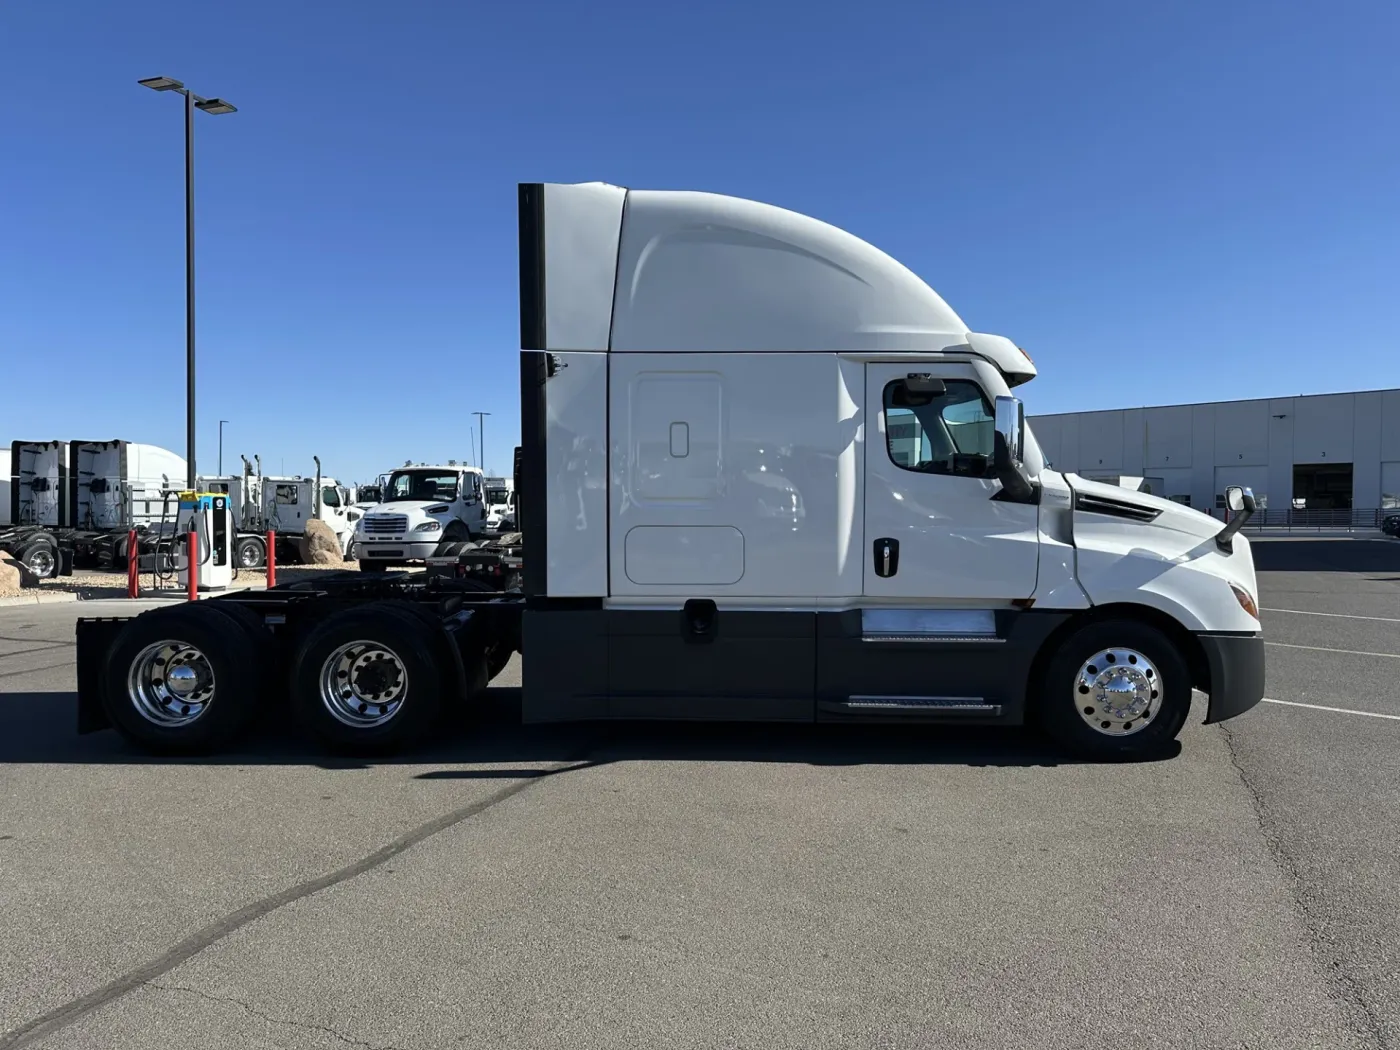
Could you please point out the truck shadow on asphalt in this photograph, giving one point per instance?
(39, 727)
(1325, 555)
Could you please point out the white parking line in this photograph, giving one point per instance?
(1338, 710)
(1344, 616)
(1325, 649)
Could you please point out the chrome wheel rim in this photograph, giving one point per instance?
(170, 684)
(363, 684)
(1118, 692)
(248, 556)
(41, 563)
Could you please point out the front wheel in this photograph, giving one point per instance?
(1115, 690)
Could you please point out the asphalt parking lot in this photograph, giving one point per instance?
(725, 886)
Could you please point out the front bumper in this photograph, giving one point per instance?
(395, 550)
(1236, 666)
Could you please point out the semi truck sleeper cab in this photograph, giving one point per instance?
(765, 473)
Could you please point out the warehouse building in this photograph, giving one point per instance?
(1334, 452)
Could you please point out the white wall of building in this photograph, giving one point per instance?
(1197, 450)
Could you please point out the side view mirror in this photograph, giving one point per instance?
(1009, 452)
(1241, 502)
(1011, 427)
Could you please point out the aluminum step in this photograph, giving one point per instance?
(934, 705)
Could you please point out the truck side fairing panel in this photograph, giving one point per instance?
(735, 475)
(576, 442)
(580, 238)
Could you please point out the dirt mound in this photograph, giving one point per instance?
(11, 577)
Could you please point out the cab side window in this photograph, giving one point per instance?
(937, 427)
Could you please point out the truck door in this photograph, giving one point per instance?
(932, 530)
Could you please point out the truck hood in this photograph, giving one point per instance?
(1170, 515)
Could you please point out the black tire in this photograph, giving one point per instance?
(1060, 697)
(418, 688)
(367, 565)
(40, 556)
(455, 534)
(229, 651)
(250, 553)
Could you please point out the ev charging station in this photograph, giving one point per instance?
(208, 516)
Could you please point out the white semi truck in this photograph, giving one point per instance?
(422, 509)
(673, 345)
(500, 503)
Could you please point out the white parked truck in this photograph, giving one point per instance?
(673, 345)
(500, 503)
(422, 508)
(284, 504)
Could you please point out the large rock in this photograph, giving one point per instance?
(319, 545)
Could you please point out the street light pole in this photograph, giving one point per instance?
(221, 446)
(213, 106)
(189, 288)
(481, 434)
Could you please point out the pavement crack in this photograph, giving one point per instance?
(253, 1011)
(1345, 989)
(60, 1017)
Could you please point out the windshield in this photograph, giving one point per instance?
(495, 496)
(420, 484)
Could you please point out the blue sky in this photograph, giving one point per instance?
(1161, 202)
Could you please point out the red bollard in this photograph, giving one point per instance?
(133, 566)
(271, 558)
(192, 560)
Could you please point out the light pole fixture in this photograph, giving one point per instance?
(215, 106)
(481, 434)
(221, 446)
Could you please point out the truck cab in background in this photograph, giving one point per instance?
(500, 503)
(423, 507)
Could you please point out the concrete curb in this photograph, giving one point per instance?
(39, 597)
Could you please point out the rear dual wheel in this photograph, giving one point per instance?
(374, 679)
(366, 680)
(186, 679)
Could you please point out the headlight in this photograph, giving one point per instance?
(429, 526)
(1246, 600)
